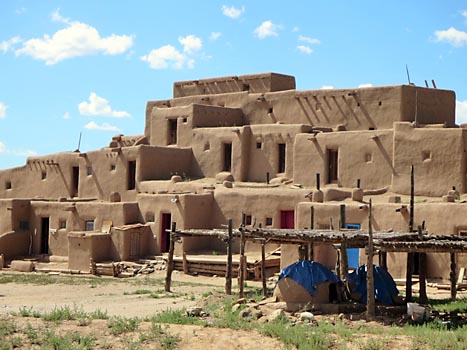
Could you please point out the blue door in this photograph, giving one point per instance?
(353, 253)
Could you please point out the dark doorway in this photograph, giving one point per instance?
(332, 165)
(165, 236)
(172, 132)
(132, 175)
(227, 157)
(287, 219)
(281, 164)
(75, 181)
(44, 236)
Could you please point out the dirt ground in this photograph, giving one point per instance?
(122, 298)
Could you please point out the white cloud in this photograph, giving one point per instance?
(461, 112)
(232, 11)
(295, 29)
(77, 39)
(21, 10)
(66, 115)
(5, 46)
(365, 85)
(3, 108)
(464, 13)
(308, 40)
(304, 49)
(267, 28)
(215, 35)
(327, 87)
(103, 126)
(190, 43)
(452, 36)
(99, 106)
(167, 56)
(19, 153)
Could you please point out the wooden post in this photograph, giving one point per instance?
(410, 256)
(358, 183)
(344, 270)
(383, 260)
(263, 267)
(241, 272)
(228, 273)
(422, 272)
(452, 277)
(370, 286)
(185, 264)
(318, 181)
(170, 260)
(312, 227)
(267, 178)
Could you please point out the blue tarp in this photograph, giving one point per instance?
(385, 287)
(308, 274)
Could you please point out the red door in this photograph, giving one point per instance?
(287, 219)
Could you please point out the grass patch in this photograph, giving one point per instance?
(175, 317)
(120, 325)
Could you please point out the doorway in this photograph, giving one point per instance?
(172, 132)
(281, 158)
(353, 253)
(227, 157)
(75, 181)
(287, 219)
(44, 248)
(333, 156)
(131, 175)
(165, 236)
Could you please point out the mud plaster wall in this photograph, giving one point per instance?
(364, 155)
(50, 176)
(208, 151)
(438, 156)
(84, 247)
(430, 106)
(160, 163)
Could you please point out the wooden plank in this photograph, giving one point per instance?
(170, 261)
(263, 267)
(452, 276)
(370, 287)
(228, 273)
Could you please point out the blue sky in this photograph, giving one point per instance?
(71, 67)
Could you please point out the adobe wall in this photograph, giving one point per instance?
(428, 106)
(48, 177)
(161, 163)
(208, 151)
(15, 229)
(364, 155)
(85, 246)
(253, 82)
(438, 156)
(264, 152)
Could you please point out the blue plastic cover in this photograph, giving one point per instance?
(308, 274)
(385, 287)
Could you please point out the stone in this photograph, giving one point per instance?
(224, 176)
(227, 184)
(194, 311)
(22, 266)
(449, 199)
(306, 316)
(236, 307)
(241, 301)
(277, 315)
(176, 178)
(256, 314)
(245, 313)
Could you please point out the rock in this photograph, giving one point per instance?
(279, 180)
(449, 199)
(306, 317)
(241, 301)
(227, 184)
(224, 176)
(256, 314)
(194, 311)
(245, 313)
(176, 178)
(277, 315)
(236, 307)
(22, 266)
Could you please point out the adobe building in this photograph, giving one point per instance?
(248, 144)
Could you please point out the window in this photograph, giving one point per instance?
(185, 120)
(248, 220)
(75, 174)
(132, 175)
(270, 110)
(259, 145)
(332, 165)
(246, 87)
(207, 146)
(227, 157)
(368, 157)
(426, 155)
(268, 221)
(62, 224)
(172, 132)
(150, 217)
(8, 185)
(281, 163)
(89, 225)
(89, 171)
(113, 167)
(24, 225)
(43, 175)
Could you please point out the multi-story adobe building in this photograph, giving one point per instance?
(248, 144)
